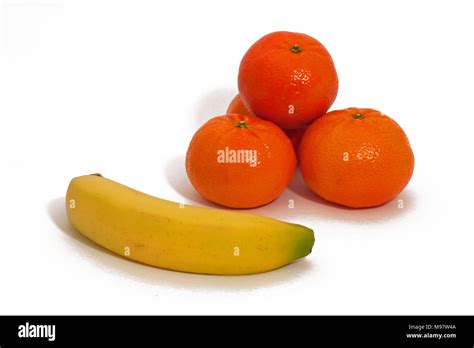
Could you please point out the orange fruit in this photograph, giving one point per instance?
(288, 78)
(237, 107)
(295, 136)
(356, 157)
(240, 161)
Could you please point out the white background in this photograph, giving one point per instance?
(119, 87)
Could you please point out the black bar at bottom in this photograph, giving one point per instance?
(244, 330)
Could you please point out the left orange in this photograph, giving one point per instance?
(240, 161)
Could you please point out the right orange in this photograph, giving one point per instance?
(355, 157)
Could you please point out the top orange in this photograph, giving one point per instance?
(288, 78)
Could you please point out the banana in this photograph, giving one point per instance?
(180, 237)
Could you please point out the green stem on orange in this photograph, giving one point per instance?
(358, 116)
(242, 124)
(296, 48)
